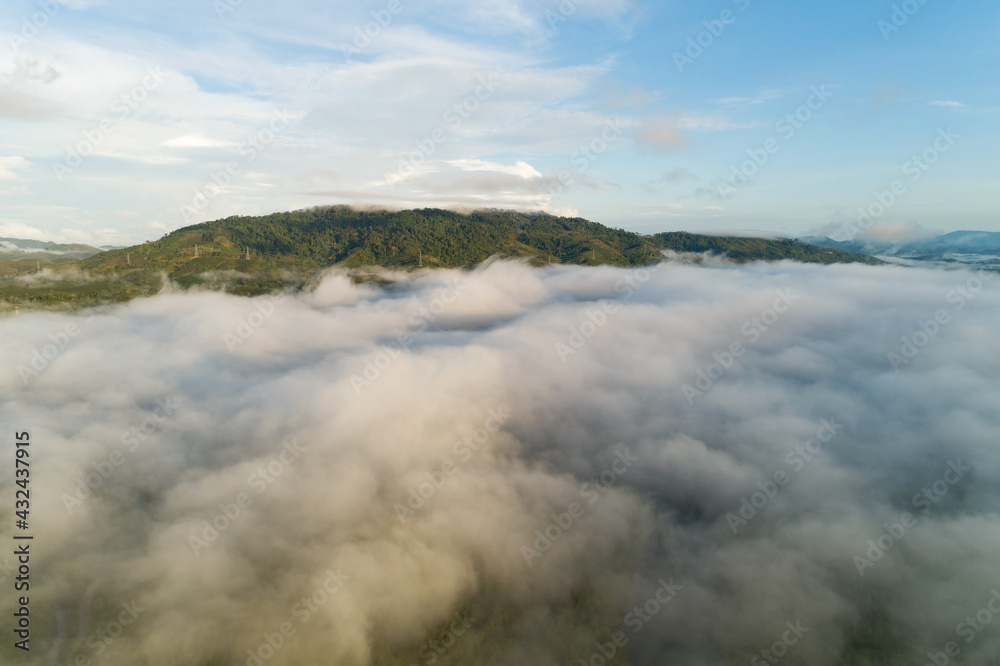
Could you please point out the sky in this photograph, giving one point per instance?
(123, 121)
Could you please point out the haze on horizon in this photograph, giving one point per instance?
(116, 115)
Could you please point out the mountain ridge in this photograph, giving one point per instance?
(961, 247)
(20, 248)
(339, 235)
(255, 255)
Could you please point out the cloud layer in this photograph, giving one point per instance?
(520, 465)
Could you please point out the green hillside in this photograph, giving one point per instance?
(314, 238)
(252, 255)
(741, 249)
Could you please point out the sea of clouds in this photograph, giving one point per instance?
(689, 464)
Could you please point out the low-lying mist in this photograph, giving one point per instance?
(690, 464)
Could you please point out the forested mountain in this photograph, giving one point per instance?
(253, 255)
(342, 235)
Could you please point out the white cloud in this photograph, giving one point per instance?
(712, 123)
(897, 232)
(361, 116)
(520, 169)
(541, 19)
(494, 346)
(763, 96)
(11, 229)
(195, 141)
(9, 166)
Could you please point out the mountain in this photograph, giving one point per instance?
(861, 246)
(743, 249)
(21, 256)
(959, 242)
(15, 249)
(980, 248)
(343, 236)
(254, 255)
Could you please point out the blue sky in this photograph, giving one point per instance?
(124, 121)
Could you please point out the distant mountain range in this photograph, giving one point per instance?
(14, 249)
(21, 256)
(979, 248)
